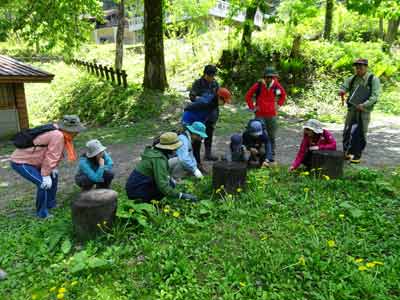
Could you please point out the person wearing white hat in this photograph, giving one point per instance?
(95, 167)
(314, 138)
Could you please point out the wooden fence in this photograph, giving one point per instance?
(116, 76)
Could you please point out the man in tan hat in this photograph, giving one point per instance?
(39, 151)
(363, 89)
(150, 179)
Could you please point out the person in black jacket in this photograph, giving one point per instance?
(207, 85)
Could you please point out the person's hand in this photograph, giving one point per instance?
(313, 148)
(189, 197)
(360, 107)
(265, 164)
(197, 173)
(54, 173)
(253, 151)
(101, 161)
(291, 169)
(342, 93)
(46, 183)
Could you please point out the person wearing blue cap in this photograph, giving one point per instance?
(256, 141)
(237, 151)
(185, 164)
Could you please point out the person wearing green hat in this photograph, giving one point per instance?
(269, 96)
(150, 179)
(185, 164)
(363, 89)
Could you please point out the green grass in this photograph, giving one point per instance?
(288, 236)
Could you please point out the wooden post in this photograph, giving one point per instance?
(329, 163)
(101, 71)
(118, 71)
(93, 212)
(230, 175)
(106, 71)
(112, 74)
(96, 68)
(124, 75)
(20, 103)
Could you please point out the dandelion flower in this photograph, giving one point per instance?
(370, 265)
(242, 284)
(341, 216)
(362, 268)
(176, 214)
(166, 210)
(238, 190)
(306, 190)
(61, 290)
(98, 225)
(378, 263)
(326, 177)
(359, 260)
(52, 289)
(73, 283)
(264, 237)
(302, 260)
(331, 243)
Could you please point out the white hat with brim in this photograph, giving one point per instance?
(314, 125)
(169, 141)
(94, 147)
(71, 123)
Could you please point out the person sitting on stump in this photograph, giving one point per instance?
(185, 164)
(95, 167)
(38, 161)
(256, 141)
(150, 179)
(207, 85)
(237, 151)
(269, 96)
(314, 138)
(201, 111)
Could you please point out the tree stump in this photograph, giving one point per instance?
(93, 212)
(230, 175)
(329, 163)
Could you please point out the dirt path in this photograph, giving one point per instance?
(383, 150)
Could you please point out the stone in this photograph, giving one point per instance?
(327, 162)
(230, 175)
(3, 274)
(93, 212)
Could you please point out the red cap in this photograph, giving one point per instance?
(225, 94)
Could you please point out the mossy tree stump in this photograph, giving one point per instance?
(329, 163)
(230, 175)
(93, 212)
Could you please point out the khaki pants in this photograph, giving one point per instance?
(176, 169)
(365, 118)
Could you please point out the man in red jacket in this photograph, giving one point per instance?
(269, 96)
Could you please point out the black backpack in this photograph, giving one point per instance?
(24, 138)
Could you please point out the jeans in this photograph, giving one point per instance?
(271, 125)
(45, 199)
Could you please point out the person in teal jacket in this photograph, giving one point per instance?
(95, 167)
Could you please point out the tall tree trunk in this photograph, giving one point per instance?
(119, 50)
(328, 19)
(154, 68)
(381, 32)
(393, 26)
(248, 25)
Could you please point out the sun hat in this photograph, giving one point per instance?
(94, 147)
(256, 128)
(210, 70)
(360, 61)
(236, 142)
(169, 141)
(198, 128)
(270, 72)
(71, 123)
(314, 125)
(225, 94)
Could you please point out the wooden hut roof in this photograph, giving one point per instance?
(12, 70)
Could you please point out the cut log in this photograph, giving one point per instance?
(93, 213)
(329, 163)
(230, 175)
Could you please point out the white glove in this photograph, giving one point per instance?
(54, 173)
(197, 173)
(46, 183)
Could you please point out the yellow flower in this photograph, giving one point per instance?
(362, 268)
(218, 191)
(53, 289)
(230, 196)
(331, 243)
(61, 290)
(341, 216)
(306, 173)
(306, 190)
(264, 237)
(176, 214)
(98, 225)
(359, 260)
(238, 190)
(104, 222)
(221, 187)
(155, 202)
(326, 177)
(166, 210)
(131, 210)
(378, 262)
(370, 265)
(242, 284)
(73, 283)
(302, 260)
(34, 296)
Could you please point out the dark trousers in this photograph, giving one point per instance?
(83, 181)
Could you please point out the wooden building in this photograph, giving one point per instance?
(13, 108)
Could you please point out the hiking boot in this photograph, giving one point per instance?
(355, 159)
(348, 156)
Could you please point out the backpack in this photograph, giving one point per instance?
(369, 83)
(258, 90)
(24, 138)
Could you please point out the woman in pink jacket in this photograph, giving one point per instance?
(38, 164)
(315, 138)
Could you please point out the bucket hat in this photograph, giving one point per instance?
(198, 128)
(270, 72)
(94, 147)
(169, 141)
(360, 61)
(314, 125)
(71, 123)
(256, 128)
